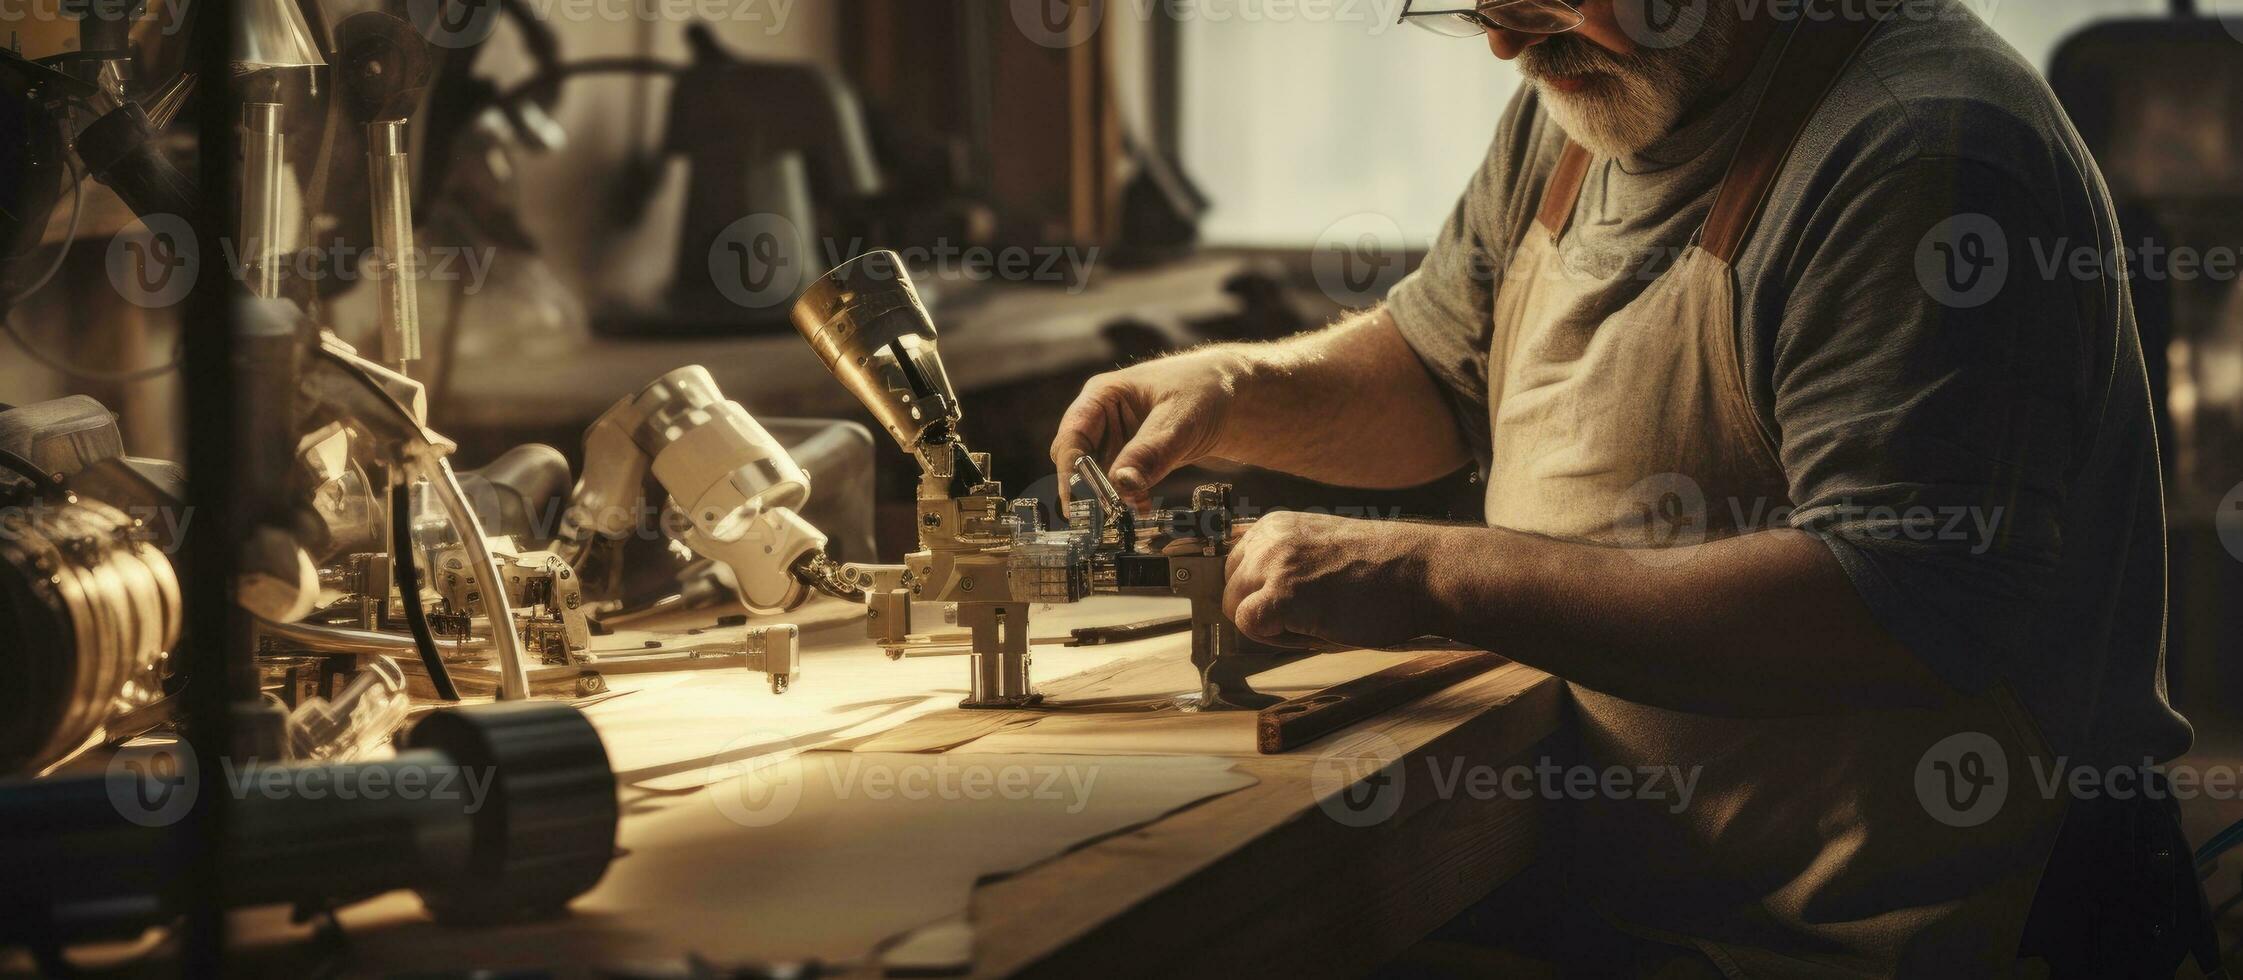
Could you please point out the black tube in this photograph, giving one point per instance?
(120, 151)
(409, 586)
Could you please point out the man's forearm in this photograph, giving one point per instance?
(1762, 624)
(1348, 405)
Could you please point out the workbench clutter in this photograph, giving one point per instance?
(388, 591)
(887, 488)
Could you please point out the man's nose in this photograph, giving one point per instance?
(1508, 44)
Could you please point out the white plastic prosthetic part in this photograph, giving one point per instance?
(739, 488)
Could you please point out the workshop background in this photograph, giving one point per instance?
(1076, 189)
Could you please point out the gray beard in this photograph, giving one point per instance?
(1633, 100)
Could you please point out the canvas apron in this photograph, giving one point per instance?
(1807, 845)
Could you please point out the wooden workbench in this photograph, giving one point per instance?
(1264, 882)
(1275, 876)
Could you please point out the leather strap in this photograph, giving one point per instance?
(1564, 188)
(1815, 54)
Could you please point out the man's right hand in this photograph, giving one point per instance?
(1143, 422)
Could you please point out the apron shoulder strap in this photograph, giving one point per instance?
(1563, 189)
(1814, 55)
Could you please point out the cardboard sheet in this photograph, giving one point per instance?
(674, 729)
(748, 836)
(832, 857)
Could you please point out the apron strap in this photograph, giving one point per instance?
(1564, 188)
(1816, 53)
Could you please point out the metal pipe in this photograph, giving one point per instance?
(263, 154)
(513, 665)
(343, 639)
(398, 292)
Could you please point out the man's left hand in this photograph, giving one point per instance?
(1295, 578)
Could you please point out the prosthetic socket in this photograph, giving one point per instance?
(736, 486)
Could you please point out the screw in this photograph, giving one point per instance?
(966, 585)
(1183, 575)
(931, 520)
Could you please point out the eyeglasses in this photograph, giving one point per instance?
(1523, 16)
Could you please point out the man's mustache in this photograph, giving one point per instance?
(1567, 56)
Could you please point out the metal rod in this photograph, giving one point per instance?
(513, 667)
(1087, 470)
(341, 639)
(398, 292)
(263, 154)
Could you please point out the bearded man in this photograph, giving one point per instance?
(1798, 480)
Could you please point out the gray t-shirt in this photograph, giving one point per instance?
(1960, 406)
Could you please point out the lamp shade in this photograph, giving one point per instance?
(272, 34)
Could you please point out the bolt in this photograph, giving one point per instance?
(966, 585)
(1183, 575)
